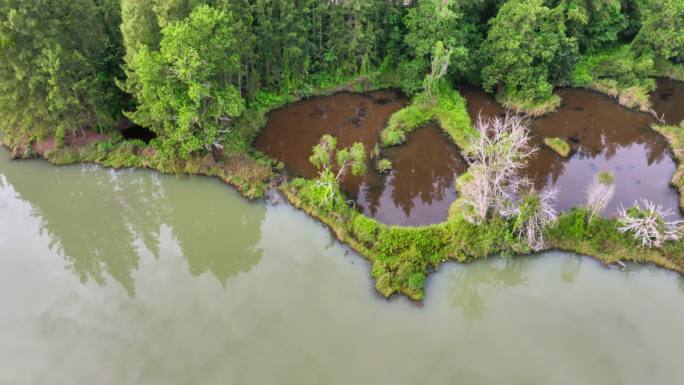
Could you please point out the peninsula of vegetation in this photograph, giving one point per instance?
(185, 86)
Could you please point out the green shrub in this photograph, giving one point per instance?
(365, 229)
(558, 145)
(618, 72)
(416, 281)
(383, 166)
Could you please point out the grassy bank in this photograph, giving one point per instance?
(620, 74)
(402, 257)
(671, 70)
(249, 173)
(600, 239)
(447, 108)
(675, 136)
(530, 107)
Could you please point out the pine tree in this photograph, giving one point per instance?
(56, 63)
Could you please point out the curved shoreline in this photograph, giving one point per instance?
(403, 267)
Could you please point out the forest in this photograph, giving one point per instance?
(189, 69)
(202, 76)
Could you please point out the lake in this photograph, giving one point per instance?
(131, 277)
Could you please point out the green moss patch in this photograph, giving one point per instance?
(559, 145)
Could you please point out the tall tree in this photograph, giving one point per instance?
(439, 65)
(527, 51)
(56, 64)
(662, 29)
(188, 92)
(141, 24)
(595, 23)
(428, 22)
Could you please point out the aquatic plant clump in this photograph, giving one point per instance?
(647, 222)
(383, 166)
(558, 145)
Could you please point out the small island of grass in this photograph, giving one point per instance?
(383, 166)
(559, 145)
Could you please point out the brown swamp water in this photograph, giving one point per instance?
(668, 100)
(417, 191)
(605, 137)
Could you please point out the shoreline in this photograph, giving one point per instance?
(404, 267)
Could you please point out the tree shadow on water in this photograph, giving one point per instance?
(475, 285)
(217, 234)
(100, 221)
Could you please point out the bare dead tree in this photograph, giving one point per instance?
(536, 212)
(497, 156)
(599, 193)
(647, 222)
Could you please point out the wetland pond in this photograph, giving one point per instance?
(668, 100)
(420, 188)
(605, 137)
(131, 277)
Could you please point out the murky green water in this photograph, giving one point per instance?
(134, 278)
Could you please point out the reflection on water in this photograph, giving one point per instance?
(420, 187)
(213, 234)
(605, 137)
(101, 221)
(304, 311)
(668, 100)
(473, 287)
(571, 268)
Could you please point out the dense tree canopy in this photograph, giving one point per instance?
(189, 68)
(662, 29)
(187, 88)
(527, 51)
(427, 23)
(58, 61)
(595, 23)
